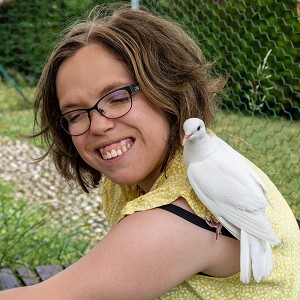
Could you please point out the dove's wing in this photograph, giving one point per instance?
(231, 195)
(241, 161)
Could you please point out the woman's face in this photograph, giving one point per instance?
(139, 137)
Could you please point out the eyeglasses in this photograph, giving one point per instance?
(112, 106)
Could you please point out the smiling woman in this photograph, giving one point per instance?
(111, 101)
(80, 80)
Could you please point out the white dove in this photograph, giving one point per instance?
(234, 193)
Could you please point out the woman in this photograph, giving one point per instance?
(112, 100)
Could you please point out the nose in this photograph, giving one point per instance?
(99, 123)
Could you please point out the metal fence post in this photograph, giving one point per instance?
(135, 4)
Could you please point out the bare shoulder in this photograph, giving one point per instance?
(147, 254)
(161, 249)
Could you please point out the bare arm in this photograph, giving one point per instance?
(144, 256)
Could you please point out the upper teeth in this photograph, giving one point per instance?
(116, 152)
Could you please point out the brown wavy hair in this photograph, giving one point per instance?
(166, 62)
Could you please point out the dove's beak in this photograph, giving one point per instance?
(185, 138)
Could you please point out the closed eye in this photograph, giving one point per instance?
(116, 98)
(119, 100)
(75, 116)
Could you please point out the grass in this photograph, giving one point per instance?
(27, 237)
(273, 144)
(16, 114)
(16, 123)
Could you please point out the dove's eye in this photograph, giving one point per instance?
(198, 128)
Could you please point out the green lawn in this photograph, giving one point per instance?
(16, 115)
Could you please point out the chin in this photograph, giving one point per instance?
(123, 180)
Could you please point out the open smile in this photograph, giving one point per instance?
(116, 149)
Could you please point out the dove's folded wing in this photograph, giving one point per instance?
(240, 160)
(231, 195)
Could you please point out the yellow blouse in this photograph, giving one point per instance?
(284, 282)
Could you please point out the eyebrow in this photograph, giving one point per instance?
(107, 89)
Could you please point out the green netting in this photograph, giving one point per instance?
(255, 43)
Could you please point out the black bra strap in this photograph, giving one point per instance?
(185, 214)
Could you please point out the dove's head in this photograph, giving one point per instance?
(194, 128)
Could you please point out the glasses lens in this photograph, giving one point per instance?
(75, 122)
(115, 104)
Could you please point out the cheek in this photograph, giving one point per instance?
(163, 128)
(158, 121)
(160, 135)
(78, 143)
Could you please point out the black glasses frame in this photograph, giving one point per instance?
(129, 88)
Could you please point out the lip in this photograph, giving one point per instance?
(110, 148)
(114, 141)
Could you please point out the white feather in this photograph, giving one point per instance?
(234, 193)
(245, 256)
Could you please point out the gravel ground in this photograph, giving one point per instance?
(41, 182)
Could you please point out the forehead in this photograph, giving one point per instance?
(89, 73)
(92, 59)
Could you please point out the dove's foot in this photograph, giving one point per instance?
(211, 222)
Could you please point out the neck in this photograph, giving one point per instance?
(198, 150)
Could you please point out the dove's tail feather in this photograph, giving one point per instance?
(256, 255)
(262, 261)
(245, 258)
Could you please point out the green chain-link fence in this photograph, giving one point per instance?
(256, 43)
